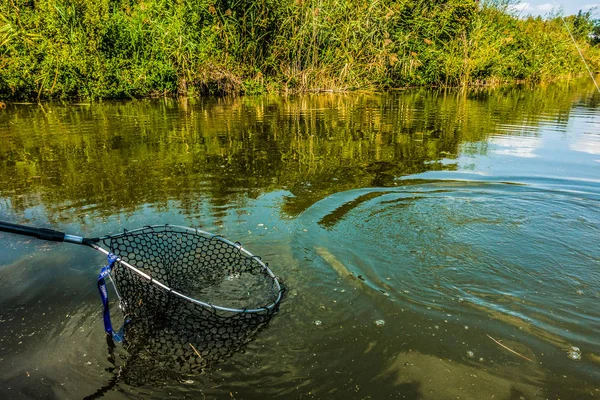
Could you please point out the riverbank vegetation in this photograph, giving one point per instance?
(137, 48)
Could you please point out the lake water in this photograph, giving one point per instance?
(435, 244)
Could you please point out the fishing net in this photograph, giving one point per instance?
(190, 298)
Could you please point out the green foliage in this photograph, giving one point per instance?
(136, 48)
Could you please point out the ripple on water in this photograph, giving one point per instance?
(523, 255)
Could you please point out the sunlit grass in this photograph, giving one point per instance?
(125, 48)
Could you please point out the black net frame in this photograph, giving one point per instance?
(168, 329)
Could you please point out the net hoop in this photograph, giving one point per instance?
(207, 235)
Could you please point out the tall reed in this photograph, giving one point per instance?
(134, 48)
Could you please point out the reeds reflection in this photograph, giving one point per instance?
(113, 157)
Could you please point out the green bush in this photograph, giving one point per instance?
(137, 48)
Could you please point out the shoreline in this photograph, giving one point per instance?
(77, 101)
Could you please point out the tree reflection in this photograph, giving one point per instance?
(115, 157)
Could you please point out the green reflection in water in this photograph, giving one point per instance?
(113, 157)
(110, 159)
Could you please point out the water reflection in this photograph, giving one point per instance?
(517, 147)
(495, 235)
(113, 157)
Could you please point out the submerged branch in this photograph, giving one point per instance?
(509, 349)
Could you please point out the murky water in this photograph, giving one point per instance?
(435, 244)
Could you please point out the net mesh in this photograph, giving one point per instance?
(218, 297)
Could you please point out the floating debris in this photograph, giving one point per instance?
(231, 277)
(380, 322)
(318, 323)
(195, 351)
(574, 353)
(508, 348)
(471, 354)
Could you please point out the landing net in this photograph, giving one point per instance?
(190, 298)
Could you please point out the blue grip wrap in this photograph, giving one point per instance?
(106, 270)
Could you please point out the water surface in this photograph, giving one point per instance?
(422, 234)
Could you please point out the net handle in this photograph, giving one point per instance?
(42, 233)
